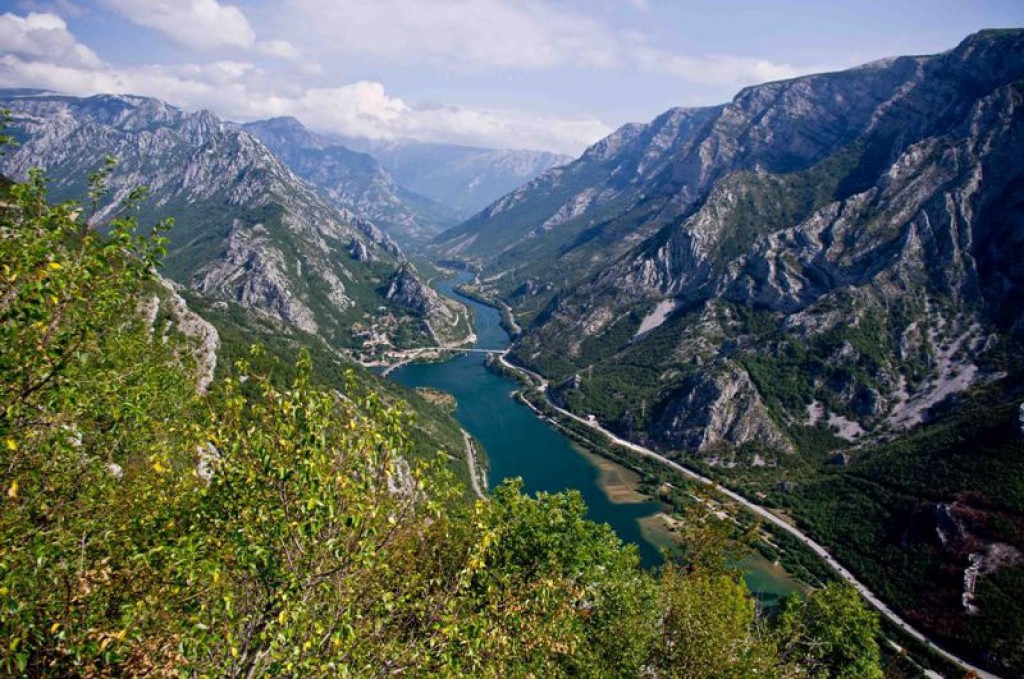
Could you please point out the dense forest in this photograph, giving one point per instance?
(273, 526)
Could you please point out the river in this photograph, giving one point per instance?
(518, 443)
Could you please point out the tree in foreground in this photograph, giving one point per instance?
(830, 634)
(268, 529)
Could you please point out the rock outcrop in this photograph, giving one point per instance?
(409, 292)
(202, 334)
(359, 251)
(715, 407)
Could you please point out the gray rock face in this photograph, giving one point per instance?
(246, 229)
(611, 176)
(359, 251)
(376, 236)
(852, 235)
(717, 406)
(206, 340)
(254, 272)
(407, 291)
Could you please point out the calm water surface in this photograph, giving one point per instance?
(518, 443)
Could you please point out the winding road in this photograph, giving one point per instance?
(474, 478)
(764, 513)
(758, 510)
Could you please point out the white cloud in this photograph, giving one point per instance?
(44, 36)
(182, 85)
(365, 109)
(242, 91)
(513, 34)
(282, 49)
(469, 33)
(714, 69)
(200, 24)
(39, 51)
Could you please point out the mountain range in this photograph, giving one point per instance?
(353, 181)
(872, 212)
(412, 190)
(812, 292)
(246, 229)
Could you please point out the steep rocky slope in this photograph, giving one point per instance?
(246, 229)
(353, 181)
(554, 216)
(834, 248)
(465, 179)
(814, 294)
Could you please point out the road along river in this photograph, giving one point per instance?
(518, 443)
(767, 515)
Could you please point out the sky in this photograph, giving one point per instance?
(545, 74)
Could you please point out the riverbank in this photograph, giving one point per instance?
(514, 441)
(441, 399)
(508, 320)
(477, 477)
(769, 580)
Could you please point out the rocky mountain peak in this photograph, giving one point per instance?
(609, 146)
(407, 290)
(247, 230)
(287, 130)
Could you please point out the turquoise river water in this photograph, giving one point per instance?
(518, 443)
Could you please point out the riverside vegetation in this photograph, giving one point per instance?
(271, 525)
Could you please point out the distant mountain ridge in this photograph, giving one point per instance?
(887, 184)
(247, 230)
(413, 190)
(353, 181)
(463, 178)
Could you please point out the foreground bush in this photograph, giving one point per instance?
(269, 529)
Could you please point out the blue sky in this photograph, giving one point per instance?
(552, 74)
